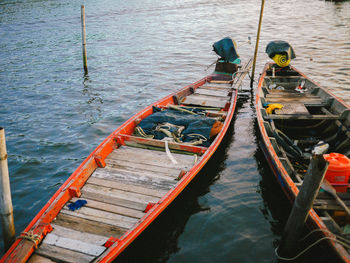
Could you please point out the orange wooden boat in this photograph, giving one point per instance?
(130, 178)
(294, 115)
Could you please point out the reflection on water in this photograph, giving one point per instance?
(140, 51)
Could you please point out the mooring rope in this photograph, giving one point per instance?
(31, 237)
(315, 243)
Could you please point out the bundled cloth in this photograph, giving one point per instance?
(181, 126)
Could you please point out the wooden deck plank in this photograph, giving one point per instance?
(112, 208)
(301, 117)
(217, 86)
(221, 82)
(292, 108)
(212, 92)
(139, 173)
(301, 100)
(113, 200)
(204, 102)
(74, 245)
(151, 154)
(161, 144)
(103, 197)
(39, 259)
(62, 255)
(148, 168)
(126, 187)
(89, 226)
(160, 155)
(208, 97)
(134, 179)
(101, 216)
(109, 191)
(291, 95)
(159, 159)
(61, 231)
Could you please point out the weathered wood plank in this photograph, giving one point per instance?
(97, 195)
(137, 167)
(61, 231)
(216, 113)
(301, 117)
(292, 108)
(286, 99)
(126, 187)
(291, 95)
(218, 88)
(212, 92)
(153, 148)
(113, 208)
(102, 216)
(184, 158)
(74, 245)
(208, 97)
(89, 226)
(172, 145)
(62, 255)
(203, 102)
(225, 82)
(142, 156)
(113, 200)
(135, 179)
(109, 191)
(39, 259)
(139, 173)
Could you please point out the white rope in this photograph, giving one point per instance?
(343, 243)
(305, 250)
(168, 153)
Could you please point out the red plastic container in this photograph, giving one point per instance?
(338, 172)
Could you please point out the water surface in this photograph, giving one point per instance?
(140, 51)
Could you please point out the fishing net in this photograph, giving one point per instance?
(181, 126)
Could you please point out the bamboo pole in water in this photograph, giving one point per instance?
(84, 38)
(6, 208)
(257, 42)
(302, 205)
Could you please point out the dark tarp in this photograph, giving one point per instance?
(226, 48)
(280, 47)
(195, 126)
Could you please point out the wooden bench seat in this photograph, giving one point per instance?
(134, 140)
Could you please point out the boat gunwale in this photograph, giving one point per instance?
(288, 185)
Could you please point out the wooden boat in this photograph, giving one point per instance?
(310, 114)
(128, 180)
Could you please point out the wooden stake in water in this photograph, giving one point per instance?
(257, 42)
(6, 208)
(84, 38)
(302, 204)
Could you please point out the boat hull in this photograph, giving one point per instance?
(279, 169)
(41, 226)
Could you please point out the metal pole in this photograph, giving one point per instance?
(257, 42)
(302, 204)
(84, 38)
(6, 208)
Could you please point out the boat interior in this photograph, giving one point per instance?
(299, 117)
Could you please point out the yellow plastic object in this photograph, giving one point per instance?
(272, 107)
(281, 60)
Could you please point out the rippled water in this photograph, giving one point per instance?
(139, 51)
